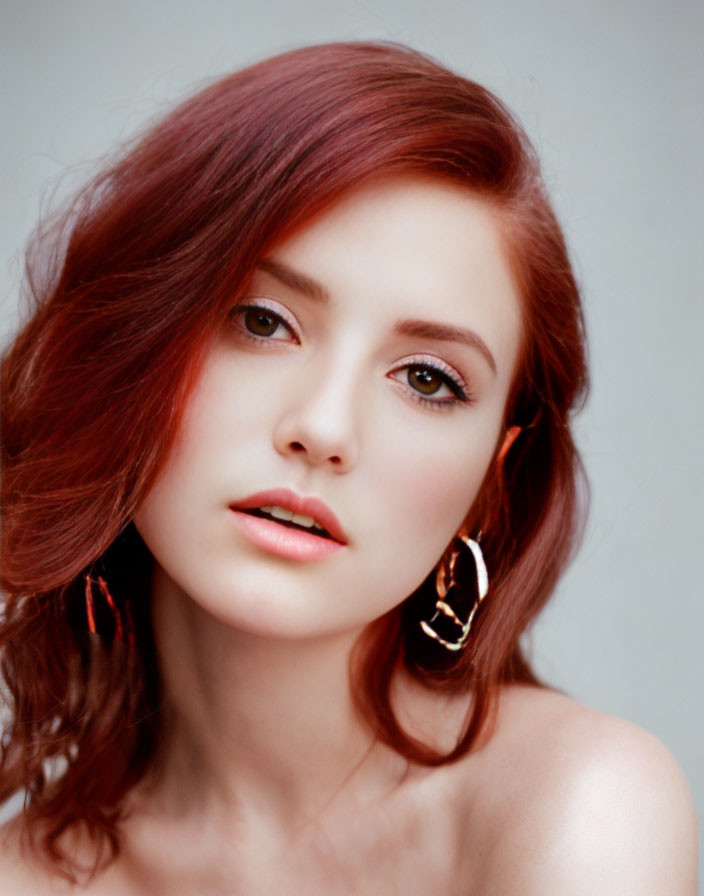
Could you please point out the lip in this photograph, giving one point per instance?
(294, 543)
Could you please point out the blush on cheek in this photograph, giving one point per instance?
(450, 471)
(432, 498)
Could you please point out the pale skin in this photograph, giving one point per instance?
(270, 783)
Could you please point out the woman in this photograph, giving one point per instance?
(287, 471)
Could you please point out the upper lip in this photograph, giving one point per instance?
(283, 497)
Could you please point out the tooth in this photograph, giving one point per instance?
(280, 513)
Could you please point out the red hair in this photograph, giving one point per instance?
(149, 259)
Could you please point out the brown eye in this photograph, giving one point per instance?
(424, 380)
(431, 385)
(260, 322)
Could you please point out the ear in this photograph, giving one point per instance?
(510, 437)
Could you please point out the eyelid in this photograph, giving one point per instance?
(438, 364)
(255, 302)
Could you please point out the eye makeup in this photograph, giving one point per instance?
(428, 380)
(259, 322)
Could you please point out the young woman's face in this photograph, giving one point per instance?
(367, 368)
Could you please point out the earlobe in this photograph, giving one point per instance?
(510, 437)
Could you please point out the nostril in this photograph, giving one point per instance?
(298, 447)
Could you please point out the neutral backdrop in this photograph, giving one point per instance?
(612, 94)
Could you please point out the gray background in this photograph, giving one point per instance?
(611, 92)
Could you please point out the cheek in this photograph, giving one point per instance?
(224, 419)
(439, 477)
(169, 514)
(428, 484)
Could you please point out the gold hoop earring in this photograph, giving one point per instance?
(445, 579)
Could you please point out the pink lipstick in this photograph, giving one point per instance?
(284, 523)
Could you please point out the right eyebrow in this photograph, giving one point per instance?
(301, 283)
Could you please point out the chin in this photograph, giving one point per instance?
(252, 606)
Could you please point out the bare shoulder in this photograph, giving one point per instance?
(575, 800)
(22, 873)
(19, 875)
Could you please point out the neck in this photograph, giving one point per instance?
(258, 724)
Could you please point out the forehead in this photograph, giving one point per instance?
(414, 247)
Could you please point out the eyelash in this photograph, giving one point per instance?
(242, 309)
(460, 392)
(454, 383)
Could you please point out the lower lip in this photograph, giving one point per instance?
(294, 544)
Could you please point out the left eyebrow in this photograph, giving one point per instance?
(420, 329)
(425, 329)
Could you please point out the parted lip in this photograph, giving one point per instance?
(283, 497)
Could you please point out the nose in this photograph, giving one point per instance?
(318, 422)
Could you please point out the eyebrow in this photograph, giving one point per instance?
(295, 280)
(425, 329)
(422, 329)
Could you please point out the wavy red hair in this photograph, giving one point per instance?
(146, 263)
